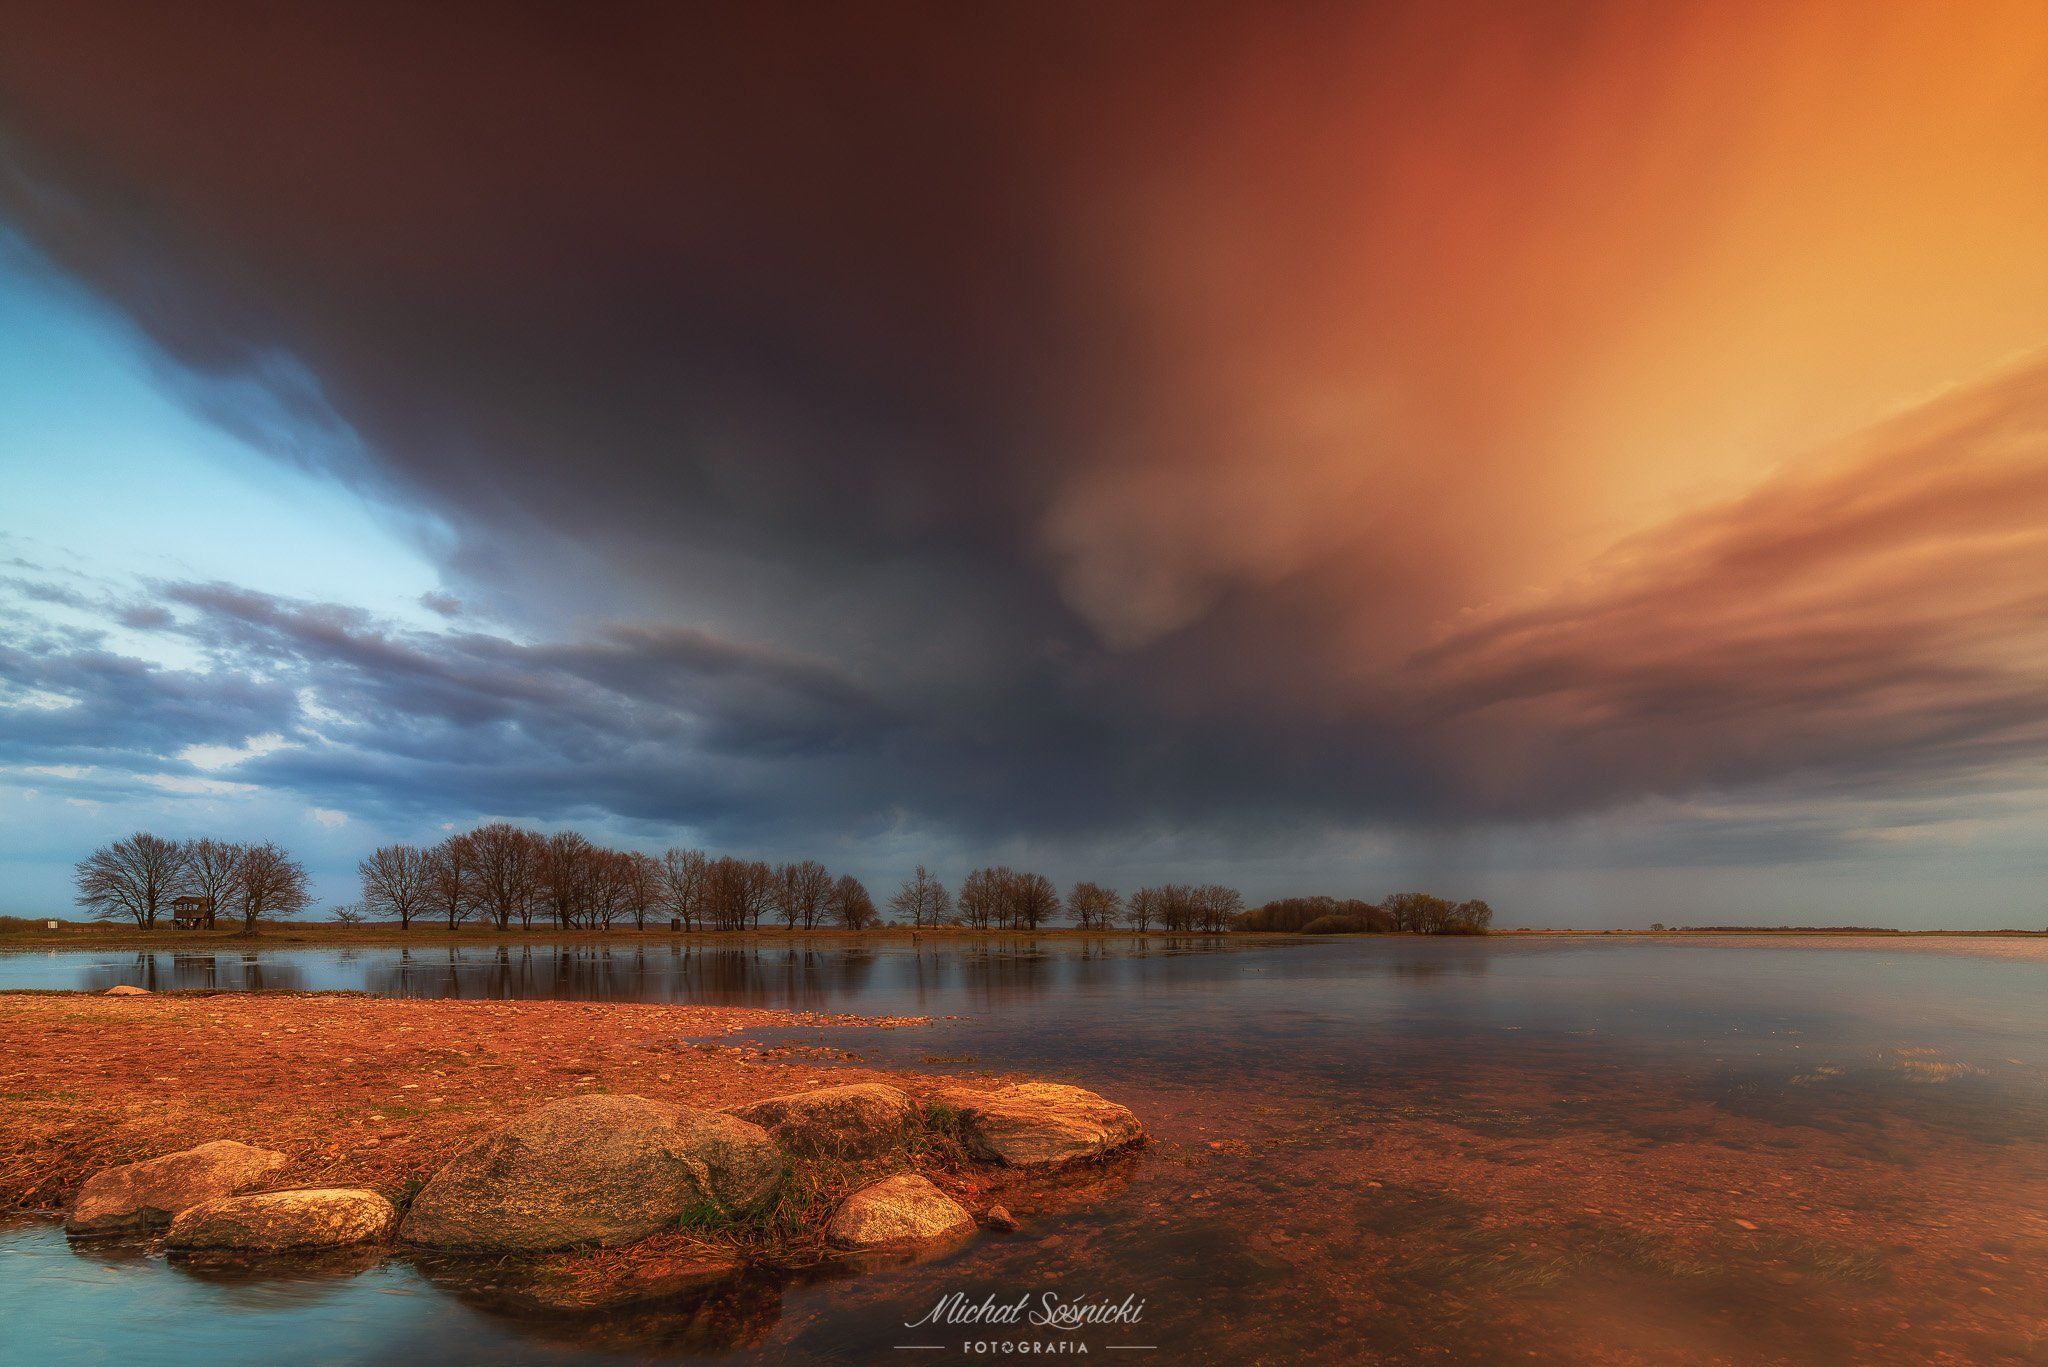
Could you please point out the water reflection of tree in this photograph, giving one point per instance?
(947, 976)
(177, 971)
(1435, 966)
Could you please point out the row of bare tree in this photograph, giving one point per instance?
(137, 879)
(507, 875)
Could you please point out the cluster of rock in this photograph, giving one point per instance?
(604, 1171)
(198, 1195)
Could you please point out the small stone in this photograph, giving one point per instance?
(999, 1217)
(279, 1221)
(905, 1211)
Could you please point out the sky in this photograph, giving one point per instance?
(1591, 457)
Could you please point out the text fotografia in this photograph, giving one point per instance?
(1046, 1310)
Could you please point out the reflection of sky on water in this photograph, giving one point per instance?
(1379, 1098)
(1061, 995)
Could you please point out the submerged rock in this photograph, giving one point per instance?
(276, 1221)
(146, 1195)
(565, 1286)
(1040, 1124)
(604, 1170)
(860, 1120)
(900, 1212)
(650, 1301)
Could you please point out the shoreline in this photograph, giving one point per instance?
(378, 1094)
(284, 935)
(372, 1089)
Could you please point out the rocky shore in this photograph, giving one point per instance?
(645, 1177)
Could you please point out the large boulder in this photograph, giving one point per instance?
(278, 1221)
(124, 990)
(603, 1170)
(902, 1212)
(1039, 1124)
(145, 1195)
(859, 1121)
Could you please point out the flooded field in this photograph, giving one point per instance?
(1545, 1150)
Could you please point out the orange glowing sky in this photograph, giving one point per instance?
(1557, 286)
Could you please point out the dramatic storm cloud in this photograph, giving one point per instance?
(1324, 443)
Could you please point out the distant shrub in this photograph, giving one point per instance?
(1295, 914)
(1416, 912)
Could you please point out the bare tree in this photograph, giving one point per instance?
(682, 877)
(724, 895)
(985, 897)
(1142, 909)
(1216, 907)
(211, 867)
(272, 883)
(642, 878)
(506, 873)
(923, 899)
(532, 874)
(396, 882)
(1093, 906)
(757, 890)
(565, 877)
(452, 878)
(132, 878)
(347, 914)
(1177, 908)
(800, 891)
(1032, 900)
(737, 892)
(1470, 918)
(609, 887)
(850, 903)
(1423, 913)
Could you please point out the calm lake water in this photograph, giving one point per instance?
(1550, 1150)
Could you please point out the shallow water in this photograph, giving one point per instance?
(1551, 1150)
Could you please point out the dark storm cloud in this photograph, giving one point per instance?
(762, 319)
(654, 308)
(739, 333)
(654, 724)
